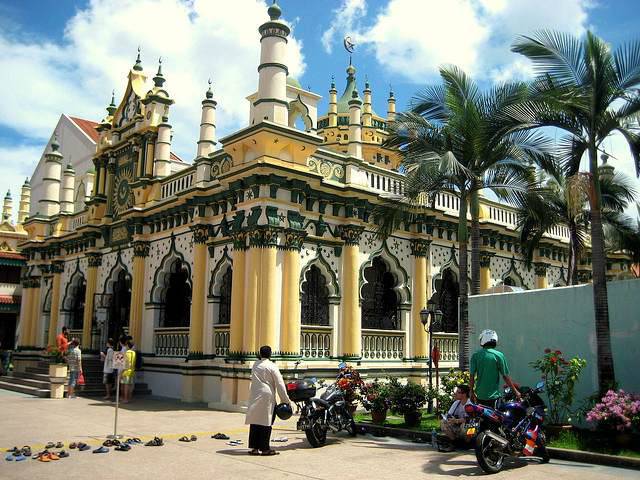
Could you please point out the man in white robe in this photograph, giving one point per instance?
(265, 381)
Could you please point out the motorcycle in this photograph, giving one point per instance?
(513, 428)
(318, 415)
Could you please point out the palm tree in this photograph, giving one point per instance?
(588, 92)
(448, 143)
(562, 201)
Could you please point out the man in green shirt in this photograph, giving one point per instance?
(487, 366)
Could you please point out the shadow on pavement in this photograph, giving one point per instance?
(155, 405)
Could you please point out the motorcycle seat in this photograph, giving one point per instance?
(320, 401)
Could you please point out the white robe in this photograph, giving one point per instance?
(265, 380)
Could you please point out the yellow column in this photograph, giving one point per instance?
(290, 320)
(196, 343)
(268, 322)
(351, 324)
(485, 271)
(57, 268)
(251, 297)
(140, 253)
(237, 293)
(35, 314)
(25, 313)
(540, 270)
(94, 261)
(420, 252)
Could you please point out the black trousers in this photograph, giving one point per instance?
(259, 437)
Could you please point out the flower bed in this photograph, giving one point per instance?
(428, 422)
(596, 442)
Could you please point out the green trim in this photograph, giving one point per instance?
(11, 262)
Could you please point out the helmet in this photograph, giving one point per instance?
(284, 411)
(488, 335)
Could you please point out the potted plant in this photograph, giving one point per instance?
(376, 400)
(560, 377)
(57, 367)
(407, 400)
(617, 413)
(351, 384)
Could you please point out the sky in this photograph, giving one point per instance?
(66, 56)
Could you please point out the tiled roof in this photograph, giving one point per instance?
(13, 255)
(176, 158)
(87, 126)
(9, 300)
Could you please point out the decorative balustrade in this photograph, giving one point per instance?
(447, 201)
(503, 216)
(221, 340)
(385, 183)
(315, 341)
(383, 344)
(171, 342)
(448, 346)
(178, 182)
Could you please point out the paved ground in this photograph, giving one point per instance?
(30, 421)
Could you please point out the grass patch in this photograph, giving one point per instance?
(427, 424)
(587, 441)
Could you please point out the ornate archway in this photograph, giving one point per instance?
(171, 291)
(447, 290)
(73, 300)
(380, 306)
(315, 298)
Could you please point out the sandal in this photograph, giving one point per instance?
(50, 445)
(11, 450)
(20, 458)
(136, 440)
(101, 450)
(193, 438)
(59, 445)
(73, 445)
(156, 442)
(63, 454)
(254, 452)
(123, 447)
(26, 451)
(83, 447)
(9, 458)
(44, 457)
(54, 456)
(270, 453)
(184, 438)
(220, 436)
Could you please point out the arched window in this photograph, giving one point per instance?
(510, 282)
(449, 290)
(315, 298)
(379, 299)
(177, 301)
(77, 306)
(224, 316)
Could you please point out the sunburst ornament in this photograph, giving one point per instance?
(122, 194)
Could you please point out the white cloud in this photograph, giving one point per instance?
(197, 39)
(412, 38)
(345, 22)
(17, 164)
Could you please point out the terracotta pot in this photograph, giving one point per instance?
(378, 416)
(412, 419)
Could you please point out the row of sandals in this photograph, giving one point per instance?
(47, 455)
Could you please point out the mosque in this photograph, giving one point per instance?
(266, 237)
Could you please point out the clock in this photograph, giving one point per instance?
(122, 193)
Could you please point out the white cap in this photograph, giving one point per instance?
(488, 335)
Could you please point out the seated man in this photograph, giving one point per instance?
(452, 425)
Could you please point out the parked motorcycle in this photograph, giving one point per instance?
(513, 428)
(318, 415)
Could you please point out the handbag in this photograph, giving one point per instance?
(81, 379)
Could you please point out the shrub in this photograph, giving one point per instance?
(375, 396)
(616, 411)
(448, 385)
(406, 398)
(560, 377)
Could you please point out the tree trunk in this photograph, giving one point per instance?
(475, 243)
(463, 312)
(606, 374)
(572, 274)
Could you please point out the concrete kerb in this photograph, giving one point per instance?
(556, 453)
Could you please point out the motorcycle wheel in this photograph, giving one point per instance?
(489, 459)
(351, 428)
(317, 434)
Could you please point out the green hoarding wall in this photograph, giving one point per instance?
(562, 319)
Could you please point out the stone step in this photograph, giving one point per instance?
(36, 392)
(28, 382)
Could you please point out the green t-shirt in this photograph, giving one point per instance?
(488, 365)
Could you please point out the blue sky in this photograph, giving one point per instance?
(64, 56)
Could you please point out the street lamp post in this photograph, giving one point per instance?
(431, 319)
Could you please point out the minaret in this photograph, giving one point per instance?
(333, 104)
(207, 141)
(366, 106)
(25, 201)
(7, 208)
(606, 171)
(49, 204)
(162, 161)
(271, 103)
(355, 127)
(391, 107)
(68, 186)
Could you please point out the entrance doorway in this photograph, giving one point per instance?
(120, 307)
(448, 289)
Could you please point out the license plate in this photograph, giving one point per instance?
(471, 431)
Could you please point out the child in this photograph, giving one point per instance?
(107, 370)
(128, 374)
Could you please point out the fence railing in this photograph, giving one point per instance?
(221, 340)
(315, 341)
(383, 344)
(448, 346)
(177, 183)
(384, 183)
(171, 342)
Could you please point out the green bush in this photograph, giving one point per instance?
(406, 398)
